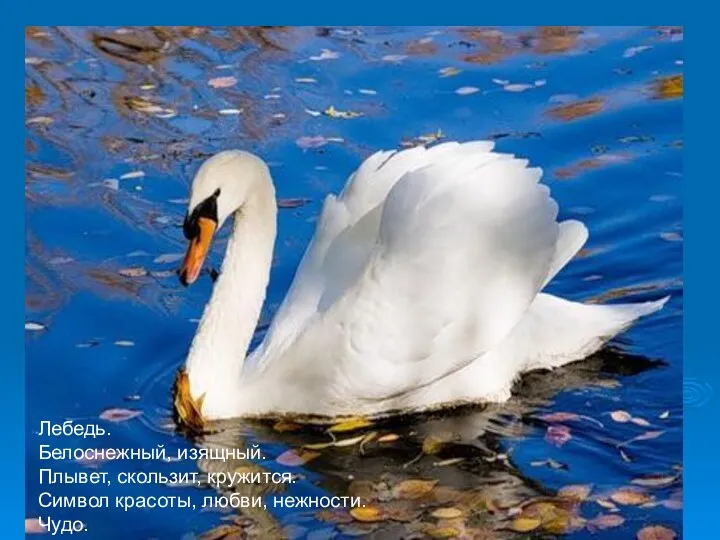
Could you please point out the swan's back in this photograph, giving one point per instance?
(427, 259)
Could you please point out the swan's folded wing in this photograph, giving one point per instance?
(346, 235)
(464, 245)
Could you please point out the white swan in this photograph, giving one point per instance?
(421, 289)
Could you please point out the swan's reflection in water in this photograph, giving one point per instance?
(461, 458)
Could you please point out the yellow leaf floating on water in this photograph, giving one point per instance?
(352, 441)
(656, 532)
(655, 480)
(523, 524)
(442, 532)
(367, 514)
(434, 443)
(296, 457)
(319, 446)
(332, 112)
(390, 437)
(668, 87)
(413, 489)
(350, 424)
(577, 492)
(447, 513)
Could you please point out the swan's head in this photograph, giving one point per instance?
(222, 185)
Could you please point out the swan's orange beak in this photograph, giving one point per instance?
(197, 251)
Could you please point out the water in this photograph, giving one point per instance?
(600, 109)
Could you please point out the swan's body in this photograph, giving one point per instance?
(421, 288)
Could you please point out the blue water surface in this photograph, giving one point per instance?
(599, 109)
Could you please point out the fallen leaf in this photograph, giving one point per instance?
(390, 437)
(577, 492)
(668, 87)
(432, 444)
(223, 532)
(394, 57)
(332, 112)
(448, 71)
(350, 424)
(367, 514)
(442, 532)
(672, 504)
(558, 435)
(621, 416)
(448, 462)
(319, 446)
(632, 51)
(671, 237)
(296, 457)
(656, 480)
(285, 426)
(133, 272)
(413, 489)
(550, 463)
(656, 532)
(167, 258)
(34, 326)
(311, 142)
(228, 112)
(517, 87)
(367, 438)
(607, 521)
(523, 525)
(306, 80)
(367, 92)
(630, 497)
(222, 82)
(335, 515)
(325, 54)
(352, 441)
(578, 109)
(32, 526)
(132, 175)
(639, 421)
(664, 415)
(608, 505)
(648, 435)
(292, 202)
(119, 415)
(124, 343)
(447, 513)
(559, 417)
(467, 90)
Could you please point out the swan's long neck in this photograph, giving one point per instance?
(216, 357)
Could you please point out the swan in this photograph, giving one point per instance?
(421, 289)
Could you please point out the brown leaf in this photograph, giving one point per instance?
(668, 87)
(334, 515)
(296, 457)
(656, 532)
(436, 442)
(413, 489)
(222, 82)
(284, 426)
(576, 492)
(223, 532)
(621, 416)
(630, 496)
(119, 415)
(607, 521)
(442, 532)
(133, 272)
(522, 524)
(655, 480)
(557, 435)
(579, 109)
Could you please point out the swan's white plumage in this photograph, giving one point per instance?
(420, 287)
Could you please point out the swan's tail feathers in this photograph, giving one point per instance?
(571, 238)
(562, 331)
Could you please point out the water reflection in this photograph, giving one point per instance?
(407, 468)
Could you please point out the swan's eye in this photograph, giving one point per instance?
(206, 209)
